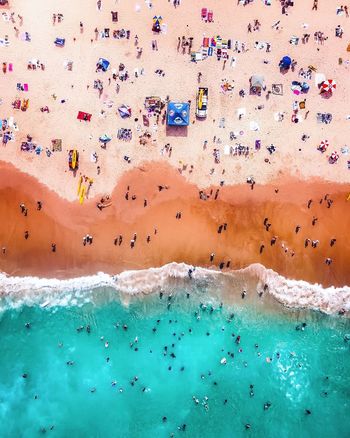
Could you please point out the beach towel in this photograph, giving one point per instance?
(25, 87)
(84, 116)
(253, 126)
(10, 66)
(227, 149)
(56, 145)
(241, 112)
(277, 89)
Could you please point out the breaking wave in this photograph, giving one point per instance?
(18, 291)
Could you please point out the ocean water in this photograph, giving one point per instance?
(76, 371)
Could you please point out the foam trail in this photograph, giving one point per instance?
(18, 291)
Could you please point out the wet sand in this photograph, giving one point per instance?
(191, 239)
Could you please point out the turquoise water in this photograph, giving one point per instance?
(98, 395)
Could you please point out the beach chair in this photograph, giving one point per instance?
(25, 104)
(114, 16)
(17, 104)
(204, 13)
(205, 52)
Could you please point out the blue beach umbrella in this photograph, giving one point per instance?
(286, 61)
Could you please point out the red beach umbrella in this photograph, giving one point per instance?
(329, 85)
(323, 146)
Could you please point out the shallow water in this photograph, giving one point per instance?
(313, 371)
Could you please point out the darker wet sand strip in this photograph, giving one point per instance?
(190, 239)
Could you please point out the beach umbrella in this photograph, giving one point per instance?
(329, 85)
(105, 138)
(323, 146)
(333, 158)
(124, 111)
(286, 61)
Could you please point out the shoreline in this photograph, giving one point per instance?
(65, 223)
(260, 286)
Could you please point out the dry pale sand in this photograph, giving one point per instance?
(299, 170)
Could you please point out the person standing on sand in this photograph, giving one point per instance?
(26, 234)
(99, 4)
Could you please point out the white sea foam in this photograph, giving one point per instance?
(18, 291)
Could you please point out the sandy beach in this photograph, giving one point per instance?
(184, 182)
(191, 239)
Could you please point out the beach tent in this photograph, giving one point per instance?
(257, 83)
(285, 62)
(124, 111)
(103, 64)
(178, 114)
(157, 22)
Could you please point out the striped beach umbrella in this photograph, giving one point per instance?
(329, 85)
(323, 146)
(334, 157)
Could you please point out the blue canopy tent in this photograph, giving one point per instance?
(103, 64)
(178, 114)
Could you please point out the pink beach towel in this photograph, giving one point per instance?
(25, 87)
(10, 66)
